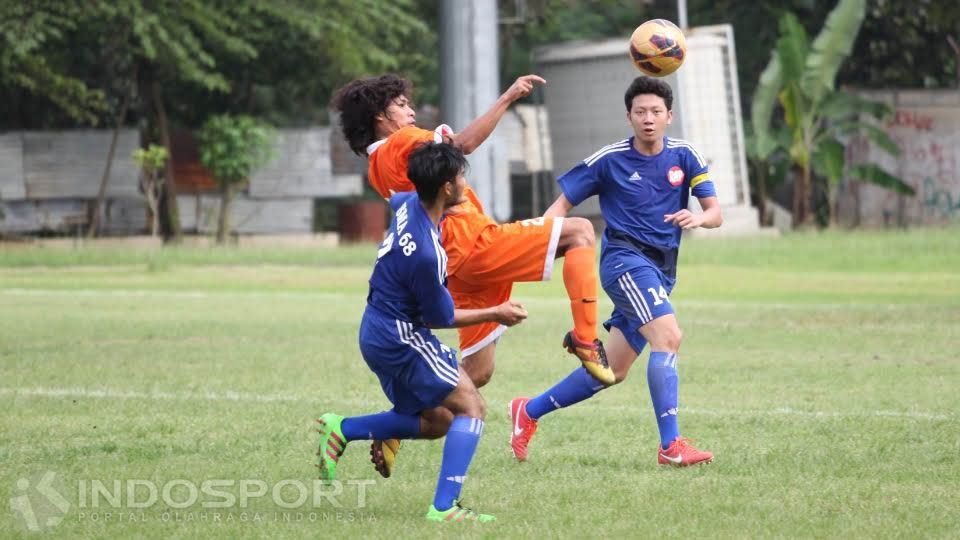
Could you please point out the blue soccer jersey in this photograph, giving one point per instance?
(636, 192)
(639, 254)
(410, 276)
(408, 295)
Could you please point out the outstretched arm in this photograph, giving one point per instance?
(559, 208)
(473, 135)
(508, 313)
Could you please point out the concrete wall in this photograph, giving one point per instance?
(49, 179)
(926, 126)
(584, 97)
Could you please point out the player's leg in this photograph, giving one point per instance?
(577, 386)
(525, 251)
(477, 344)
(664, 335)
(577, 246)
(416, 373)
(480, 364)
(469, 411)
(434, 424)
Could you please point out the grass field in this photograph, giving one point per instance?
(821, 369)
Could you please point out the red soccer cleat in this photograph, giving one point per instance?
(681, 453)
(523, 428)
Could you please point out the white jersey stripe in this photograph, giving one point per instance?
(642, 315)
(679, 143)
(417, 341)
(640, 295)
(441, 257)
(611, 151)
(607, 147)
(405, 336)
(432, 351)
(693, 151)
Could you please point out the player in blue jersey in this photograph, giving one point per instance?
(418, 373)
(644, 184)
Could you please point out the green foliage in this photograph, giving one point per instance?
(153, 158)
(831, 48)
(816, 114)
(232, 148)
(306, 48)
(905, 45)
(31, 58)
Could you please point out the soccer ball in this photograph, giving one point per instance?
(657, 47)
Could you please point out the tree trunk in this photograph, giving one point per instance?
(760, 167)
(223, 224)
(102, 192)
(801, 197)
(149, 183)
(833, 196)
(170, 186)
(797, 196)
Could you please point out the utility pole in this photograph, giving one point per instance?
(956, 52)
(682, 14)
(469, 85)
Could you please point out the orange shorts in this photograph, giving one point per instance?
(505, 254)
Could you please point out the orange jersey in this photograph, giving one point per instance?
(387, 173)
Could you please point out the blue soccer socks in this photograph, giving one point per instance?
(458, 450)
(385, 425)
(576, 387)
(662, 380)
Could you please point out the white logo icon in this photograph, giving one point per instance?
(635, 176)
(675, 461)
(516, 425)
(669, 411)
(42, 506)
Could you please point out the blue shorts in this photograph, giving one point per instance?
(640, 294)
(416, 371)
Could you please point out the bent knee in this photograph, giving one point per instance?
(672, 340)
(479, 374)
(476, 407)
(578, 232)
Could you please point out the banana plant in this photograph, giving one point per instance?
(801, 77)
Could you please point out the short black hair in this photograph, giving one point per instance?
(648, 85)
(360, 101)
(431, 165)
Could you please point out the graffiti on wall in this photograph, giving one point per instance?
(929, 162)
(929, 140)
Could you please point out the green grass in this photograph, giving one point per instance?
(820, 368)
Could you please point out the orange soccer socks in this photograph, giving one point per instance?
(580, 279)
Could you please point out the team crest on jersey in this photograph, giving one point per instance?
(675, 176)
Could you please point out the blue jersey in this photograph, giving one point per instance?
(410, 276)
(636, 191)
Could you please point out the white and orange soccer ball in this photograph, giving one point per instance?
(657, 47)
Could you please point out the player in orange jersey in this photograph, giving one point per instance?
(484, 258)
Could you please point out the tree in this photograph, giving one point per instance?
(152, 161)
(906, 45)
(32, 60)
(232, 148)
(801, 76)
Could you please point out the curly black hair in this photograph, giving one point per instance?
(360, 101)
(648, 85)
